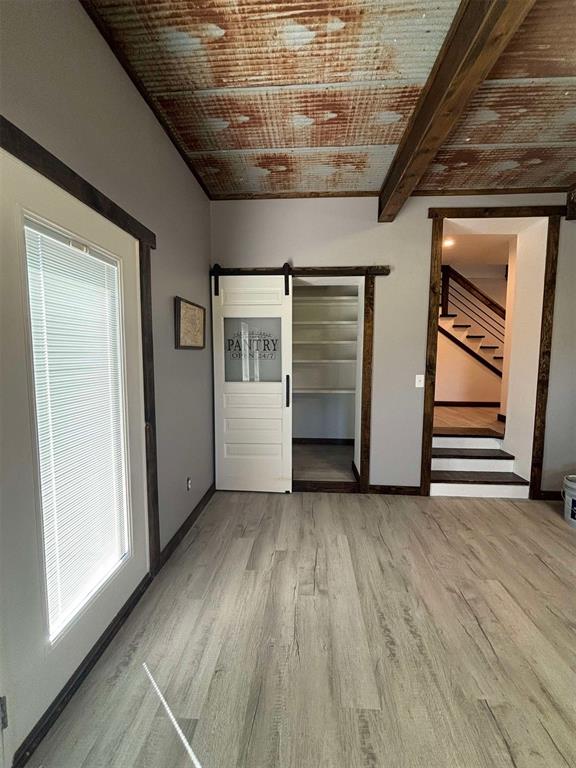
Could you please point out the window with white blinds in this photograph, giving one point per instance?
(76, 322)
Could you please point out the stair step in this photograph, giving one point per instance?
(449, 314)
(466, 432)
(472, 460)
(461, 325)
(475, 336)
(471, 453)
(488, 346)
(497, 357)
(477, 478)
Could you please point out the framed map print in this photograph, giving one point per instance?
(190, 324)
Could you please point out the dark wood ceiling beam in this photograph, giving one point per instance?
(479, 33)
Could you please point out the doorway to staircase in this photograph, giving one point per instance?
(472, 355)
(492, 287)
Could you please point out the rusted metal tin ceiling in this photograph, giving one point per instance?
(519, 130)
(268, 97)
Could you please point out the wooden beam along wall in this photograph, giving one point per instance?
(479, 33)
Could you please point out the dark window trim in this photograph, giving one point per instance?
(23, 147)
(554, 214)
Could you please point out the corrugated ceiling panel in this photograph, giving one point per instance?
(537, 111)
(178, 45)
(501, 167)
(313, 96)
(286, 171)
(545, 44)
(519, 130)
(305, 116)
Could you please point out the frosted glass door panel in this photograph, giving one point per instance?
(253, 349)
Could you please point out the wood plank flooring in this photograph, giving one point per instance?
(312, 461)
(344, 631)
(457, 416)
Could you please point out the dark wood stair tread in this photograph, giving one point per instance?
(467, 432)
(498, 357)
(461, 325)
(449, 314)
(489, 346)
(477, 478)
(471, 453)
(475, 336)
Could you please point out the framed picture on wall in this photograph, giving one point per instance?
(190, 324)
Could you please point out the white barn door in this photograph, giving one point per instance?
(252, 327)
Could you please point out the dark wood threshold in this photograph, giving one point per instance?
(186, 525)
(466, 432)
(31, 742)
(477, 478)
(501, 417)
(395, 490)
(325, 486)
(466, 404)
(355, 471)
(323, 440)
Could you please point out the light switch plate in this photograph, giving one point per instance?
(419, 381)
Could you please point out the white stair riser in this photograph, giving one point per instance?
(474, 465)
(473, 490)
(467, 442)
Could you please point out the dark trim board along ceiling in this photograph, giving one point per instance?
(279, 99)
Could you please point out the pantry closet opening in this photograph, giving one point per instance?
(327, 338)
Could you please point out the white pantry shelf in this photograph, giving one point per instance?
(328, 301)
(326, 341)
(322, 391)
(325, 322)
(324, 361)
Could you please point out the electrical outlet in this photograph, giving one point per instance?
(419, 381)
(188, 483)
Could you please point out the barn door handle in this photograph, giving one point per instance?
(287, 390)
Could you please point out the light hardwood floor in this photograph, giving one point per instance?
(312, 461)
(344, 631)
(458, 416)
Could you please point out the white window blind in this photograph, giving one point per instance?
(75, 312)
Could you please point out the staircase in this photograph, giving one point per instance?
(473, 465)
(471, 461)
(472, 320)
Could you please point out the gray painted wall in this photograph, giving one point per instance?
(61, 84)
(341, 231)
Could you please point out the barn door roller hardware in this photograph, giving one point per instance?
(217, 272)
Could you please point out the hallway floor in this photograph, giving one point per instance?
(313, 461)
(332, 631)
(466, 417)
